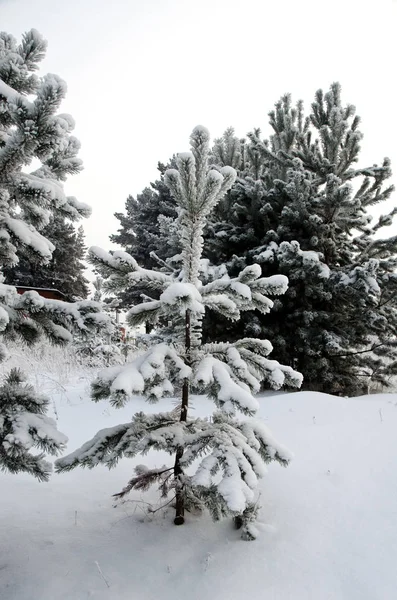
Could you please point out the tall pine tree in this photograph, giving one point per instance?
(31, 130)
(301, 207)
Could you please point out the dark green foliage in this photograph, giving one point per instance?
(301, 207)
(64, 272)
(147, 227)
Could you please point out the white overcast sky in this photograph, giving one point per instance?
(142, 73)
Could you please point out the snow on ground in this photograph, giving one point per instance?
(330, 518)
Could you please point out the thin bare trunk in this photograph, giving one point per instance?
(180, 500)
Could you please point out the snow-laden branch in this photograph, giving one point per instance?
(247, 291)
(28, 236)
(216, 378)
(235, 449)
(231, 373)
(12, 95)
(152, 374)
(175, 300)
(36, 315)
(30, 430)
(25, 427)
(123, 271)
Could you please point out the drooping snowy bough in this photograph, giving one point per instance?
(25, 428)
(219, 460)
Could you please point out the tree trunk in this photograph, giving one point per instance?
(180, 500)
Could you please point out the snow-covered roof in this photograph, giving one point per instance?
(39, 289)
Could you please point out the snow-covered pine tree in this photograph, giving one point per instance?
(301, 207)
(217, 461)
(65, 270)
(30, 130)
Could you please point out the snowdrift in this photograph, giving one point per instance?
(329, 521)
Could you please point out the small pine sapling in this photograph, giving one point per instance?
(217, 460)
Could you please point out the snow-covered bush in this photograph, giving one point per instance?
(217, 461)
